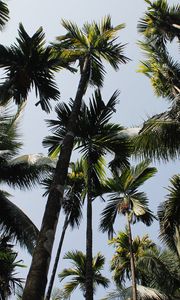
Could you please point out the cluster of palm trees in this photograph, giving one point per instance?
(88, 129)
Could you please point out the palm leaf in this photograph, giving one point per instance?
(4, 14)
(29, 63)
(144, 293)
(168, 213)
(94, 40)
(159, 137)
(15, 223)
(78, 271)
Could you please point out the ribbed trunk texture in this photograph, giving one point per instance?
(37, 277)
(89, 242)
(133, 273)
(51, 282)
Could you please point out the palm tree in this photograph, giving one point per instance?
(27, 64)
(8, 265)
(157, 271)
(17, 173)
(87, 46)
(72, 207)
(162, 69)
(126, 200)
(4, 14)
(95, 136)
(121, 262)
(160, 25)
(78, 273)
(155, 268)
(169, 216)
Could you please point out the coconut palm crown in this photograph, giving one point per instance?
(27, 64)
(93, 127)
(78, 272)
(161, 22)
(125, 198)
(93, 42)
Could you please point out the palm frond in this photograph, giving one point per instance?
(124, 197)
(159, 20)
(144, 293)
(162, 69)
(96, 41)
(159, 137)
(29, 63)
(14, 222)
(78, 271)
(4, 14)
(168, 213)
(9, 125)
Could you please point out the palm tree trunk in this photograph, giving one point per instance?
(177, 239)
(51, 282)
(133, 273)
(37, 276)
(89, 268)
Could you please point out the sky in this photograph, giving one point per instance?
(136, 102)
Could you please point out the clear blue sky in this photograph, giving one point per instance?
(137, 101)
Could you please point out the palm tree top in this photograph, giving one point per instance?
(120, 262)
(93, 126)
(95, 41)
(27, 64)
(125, 198)
(161, 22)
(78, 272)
(162, 69)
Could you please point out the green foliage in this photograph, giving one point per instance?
(95, 41)
(29, 63)
(8, 264)
(4, 14)
(159, 137)
(162, 70)
(157, 271)
(78, 272)
(93, 127)
(17, 173)
(161, 22)
(120, 263)
(169, 216)
(144, 293)
(125, 198)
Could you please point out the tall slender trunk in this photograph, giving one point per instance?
(37, 276)
(133, 273)
(89, 242)
(51, 282)
(177, 239)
